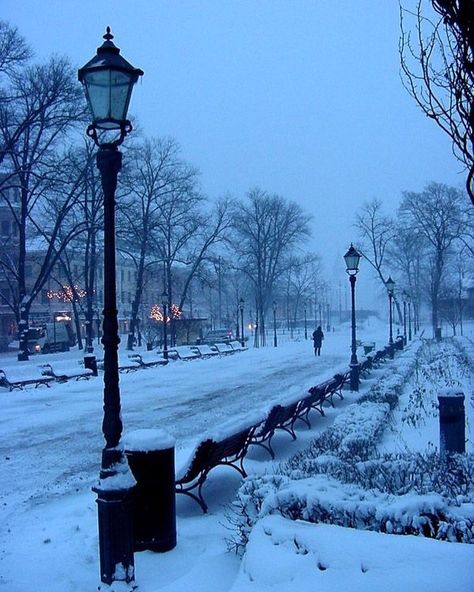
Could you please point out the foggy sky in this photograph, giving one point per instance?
(301, 98)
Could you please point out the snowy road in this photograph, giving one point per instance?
(50, 438)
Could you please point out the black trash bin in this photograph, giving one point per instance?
(452, 422)
(150, 454)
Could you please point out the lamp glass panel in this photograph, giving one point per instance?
(108, 94)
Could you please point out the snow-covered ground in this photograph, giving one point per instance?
(50, 445)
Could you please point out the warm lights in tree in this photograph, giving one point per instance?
(67, 293)
(156, 313)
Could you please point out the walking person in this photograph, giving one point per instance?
(318, 337)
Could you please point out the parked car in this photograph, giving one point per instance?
(218, 336)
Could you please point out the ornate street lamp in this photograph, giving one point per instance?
(352, 258)
(275, 341)
(164, 305)
(390, 285)
(108, 80)
(242, 334)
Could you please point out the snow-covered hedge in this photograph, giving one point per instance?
(324, 499)
(340, 479)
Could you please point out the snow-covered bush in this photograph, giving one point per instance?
(340, 479)
(323, 499)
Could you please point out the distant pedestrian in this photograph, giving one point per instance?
(318, 337)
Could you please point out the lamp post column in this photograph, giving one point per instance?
(404, 322)
(390, 340)
(305, 324)
(409, 320)
(238, 323)
(354, 365)
(165, 331)
(242, 333)
(115, 519)
(275, 340)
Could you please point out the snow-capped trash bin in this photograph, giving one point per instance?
(150, 454)
(452, 431)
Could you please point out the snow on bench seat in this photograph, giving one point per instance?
(21, 375)
(63, 371)
(206, 351)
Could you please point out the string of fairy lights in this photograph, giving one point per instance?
(73, 293)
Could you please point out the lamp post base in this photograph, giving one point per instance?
(117, 571)
(354, 377)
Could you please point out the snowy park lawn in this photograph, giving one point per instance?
(50, 443)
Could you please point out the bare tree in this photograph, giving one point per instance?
(268, 228)
(436, 215)
(302, 279)
(47, 105)
(436, 54)
(407, 251)
(14, 51)
(163, 222)
(376, 231)
(154, 172)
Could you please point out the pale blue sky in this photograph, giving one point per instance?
(300, 97)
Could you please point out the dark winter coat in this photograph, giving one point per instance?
(318, 337)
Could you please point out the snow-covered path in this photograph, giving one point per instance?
(50, 438)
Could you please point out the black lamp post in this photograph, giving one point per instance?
(390, 285)
(164, 305)
(404, 317)
(238, 323)
(409, 317)
(242, 334)
(108, 80)
(275, 340)
(352, 258)
(305, 323)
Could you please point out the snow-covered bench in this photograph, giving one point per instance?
(186, 353)
(237, 346)
(224, 348)
(63, 371)
(280, 417)
(148, 359)
(229, 450)
(205, 351)
(14, 378)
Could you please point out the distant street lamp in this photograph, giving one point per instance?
(390, 285)
(352, 258)
(241, 305)
(108, 80)
(275, 341)
(164, 305)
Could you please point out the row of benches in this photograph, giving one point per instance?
(233, 448)
(184, 353)
(19, 376)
